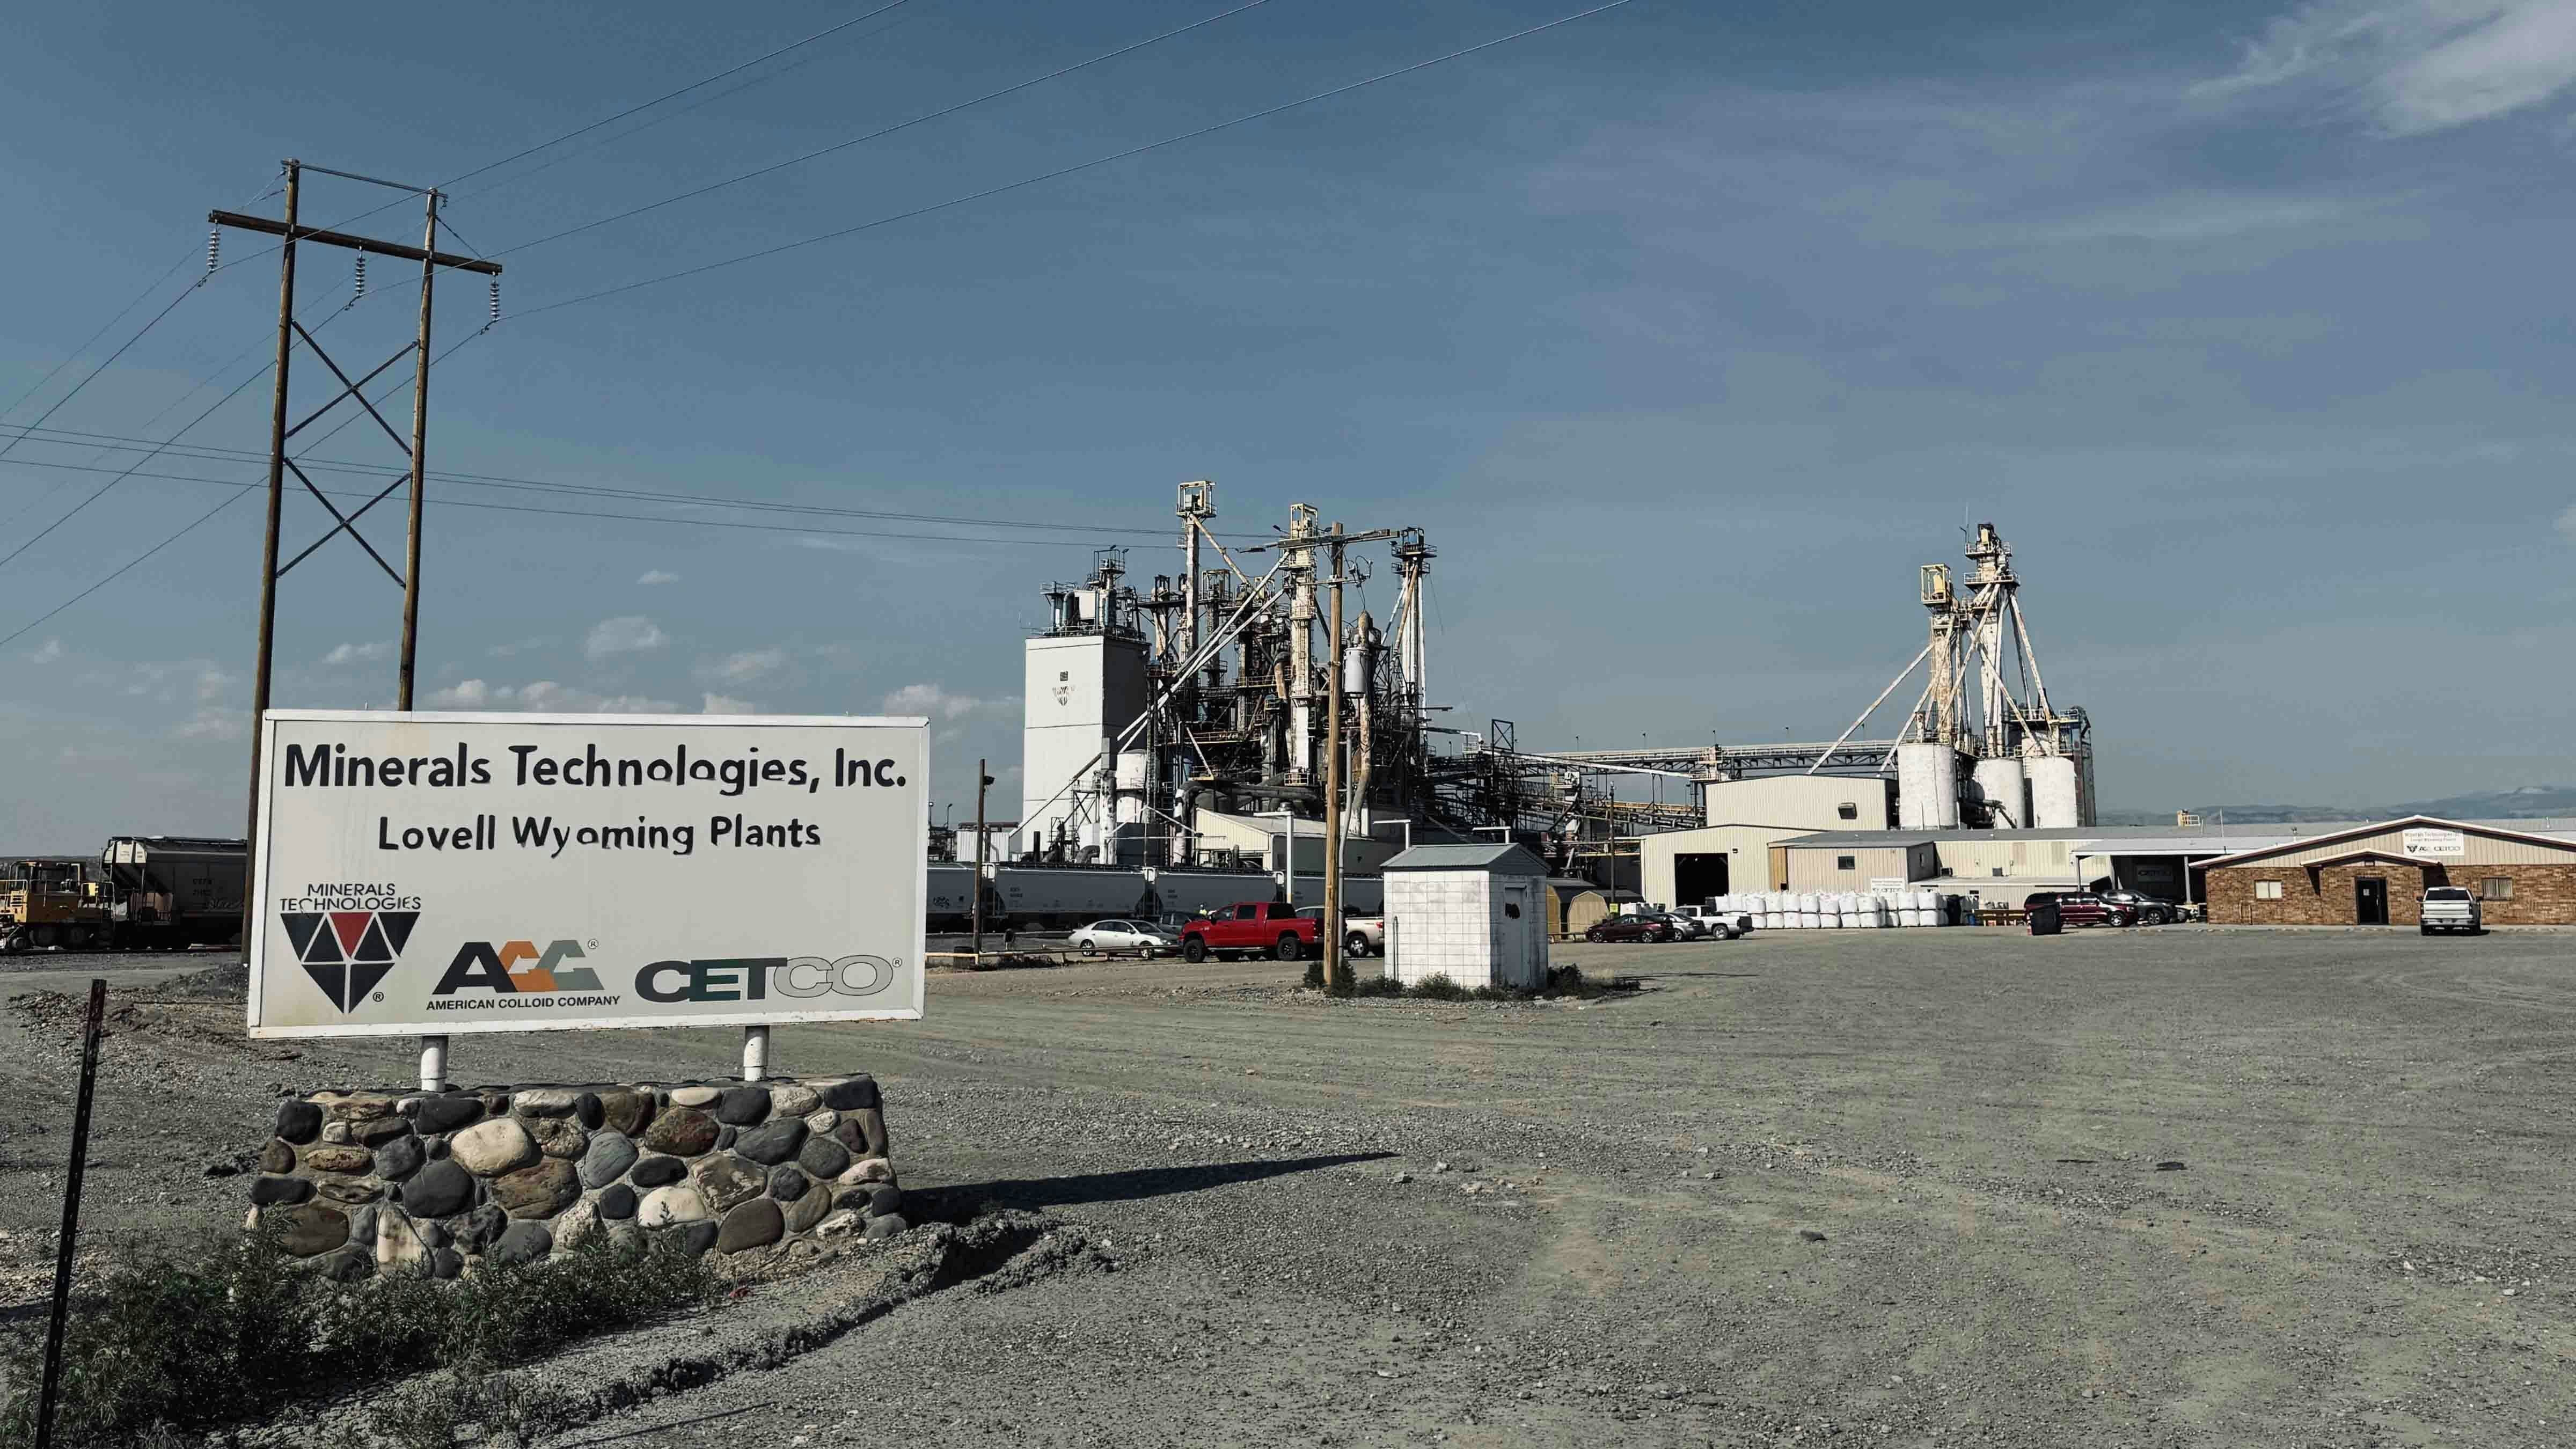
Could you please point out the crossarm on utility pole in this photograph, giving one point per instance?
(354, 243)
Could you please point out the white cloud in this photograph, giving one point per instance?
(933, 701)
(657, 576)
(545, 695)
(468, 694)
(727, 704)
(47, 652)
(746, 666)
(2567, 523)
(210, 723)
(626, 634)
(519, 646)
(347, 654)
(2416, 66)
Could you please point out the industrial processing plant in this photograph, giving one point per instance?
(1182, 724)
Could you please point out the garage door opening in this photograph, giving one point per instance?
(1698, 877)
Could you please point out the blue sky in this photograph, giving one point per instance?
(1685, 331)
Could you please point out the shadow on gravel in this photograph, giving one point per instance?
(963, 1201)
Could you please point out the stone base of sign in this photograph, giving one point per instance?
(433, 1184)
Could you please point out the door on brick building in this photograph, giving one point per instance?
(2370, 901)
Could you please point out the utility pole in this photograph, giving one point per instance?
(290, 231)
(982, 782)
(1331, 935)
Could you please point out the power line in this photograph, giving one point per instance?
(674, 114)
(74, 355)
(110, 360)
(603, 492)
(988, 192)
(610, 120)
(243, 490)
(120, 571)
(1063, 171)
(822, 34)
(882, 132)
(153, 452)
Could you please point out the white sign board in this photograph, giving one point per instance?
(2424, 842)
(434, 874)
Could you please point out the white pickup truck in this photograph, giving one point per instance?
(2452, 908)
(1726, 925)
(1361, 935)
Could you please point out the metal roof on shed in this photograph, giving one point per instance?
(1506, 859)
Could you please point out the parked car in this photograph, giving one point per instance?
(2150, 910)
(1142, 937)
(1251, 927)
(1635, 926)
(2084, 908)
(2452, 908)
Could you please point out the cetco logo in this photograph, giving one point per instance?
(758, 978)
(347, 952)
(517, 966)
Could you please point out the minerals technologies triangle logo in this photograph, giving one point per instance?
(348, 952)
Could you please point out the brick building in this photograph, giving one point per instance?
(2375, 875)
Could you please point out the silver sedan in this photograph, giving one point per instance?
(1113, 937)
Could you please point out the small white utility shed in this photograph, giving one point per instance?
(1472, 913)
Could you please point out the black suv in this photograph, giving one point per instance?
(2084, 908)
(2149, 910)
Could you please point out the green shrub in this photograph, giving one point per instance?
(227, 1333)
(430, 1415)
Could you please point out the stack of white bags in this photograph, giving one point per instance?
(1835, 910)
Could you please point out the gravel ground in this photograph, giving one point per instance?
(2170, 1187)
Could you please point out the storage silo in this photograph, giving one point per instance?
(2055, 797)
(1927, 787)
(2004, 788)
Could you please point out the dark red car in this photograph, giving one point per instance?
(1636, 927)
(2084, 908)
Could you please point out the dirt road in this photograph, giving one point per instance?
(1900, 1187)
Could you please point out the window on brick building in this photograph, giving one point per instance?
(2267, 890)
(2496, 888)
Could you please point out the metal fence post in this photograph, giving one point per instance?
(91, 1025)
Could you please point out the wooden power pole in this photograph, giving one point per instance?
(1336, 970)
(291, 233)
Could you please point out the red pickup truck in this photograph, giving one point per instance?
(1252, 926)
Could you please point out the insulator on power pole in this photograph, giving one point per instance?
(358, 292)
(214, 252)
(496, 306)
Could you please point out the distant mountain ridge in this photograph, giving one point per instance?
(2525, 802)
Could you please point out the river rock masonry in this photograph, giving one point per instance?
(428, 1184)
